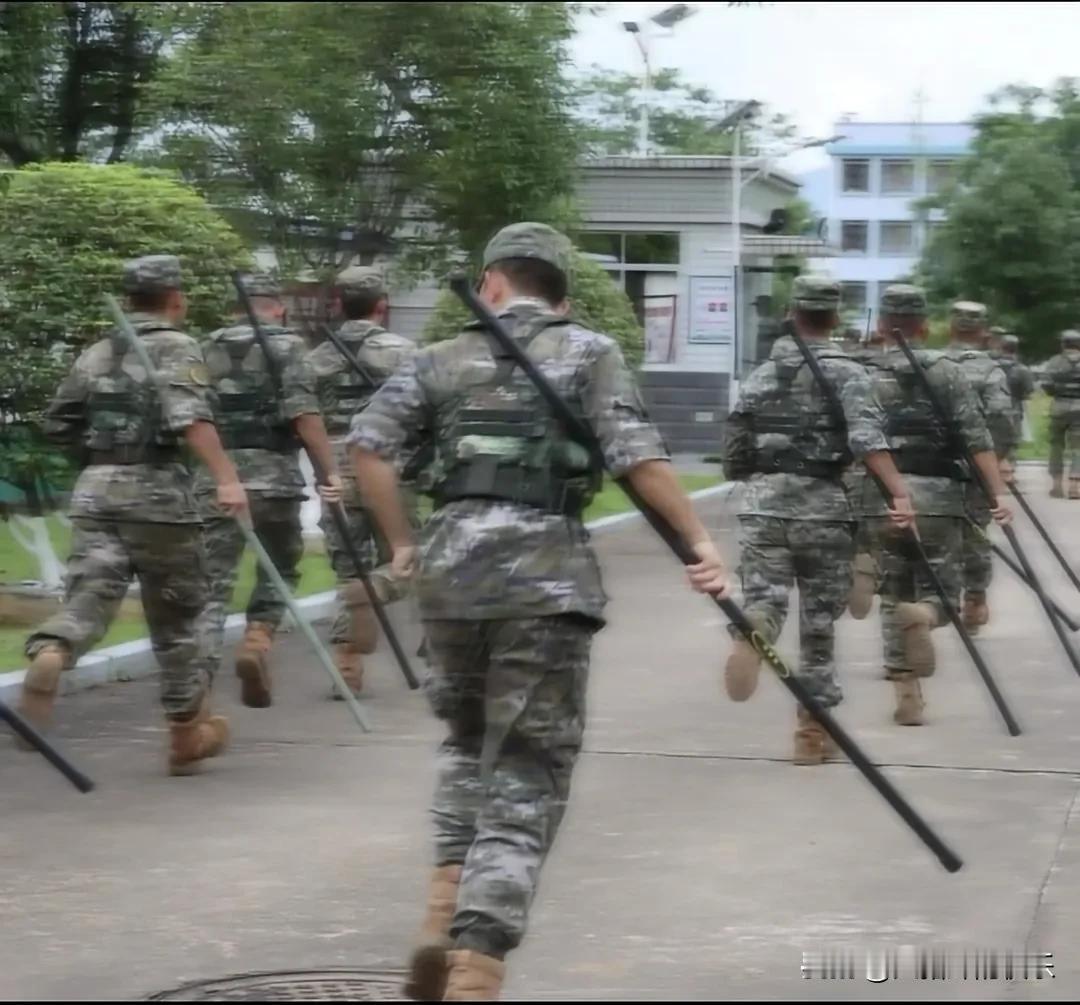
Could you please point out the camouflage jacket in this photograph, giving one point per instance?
(991, 387)
(797, 496)
(273, 473)
(916, 435)
(485, 559)
(1020, 381)
(1061, 380)
(341, 392)
(147, 493)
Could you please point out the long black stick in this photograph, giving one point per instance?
(337, 511)
(577, 429)
(912, 535)
(45, 748)
(988, 495)
(1044, 534)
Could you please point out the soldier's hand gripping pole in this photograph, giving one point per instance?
(1044, 534)
(249, 534)
(581, 432)
(337, 511)
(45, 748)
(988, 495)
(912, 534)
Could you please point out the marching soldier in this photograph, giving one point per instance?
(133, 512)
(509, 589)
(262, 424)
(1061, 380)
(1004, 347)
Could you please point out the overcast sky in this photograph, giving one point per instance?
(816, 61)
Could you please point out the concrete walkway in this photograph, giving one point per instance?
(695, 862)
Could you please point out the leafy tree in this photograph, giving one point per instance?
(596, 302)
(1011, 237)
(74, 75)
(371, 124)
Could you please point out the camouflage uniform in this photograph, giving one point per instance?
(796, 523)
(1061, 380)
(132, 510)
(254, 419)
(927, 457)
(510, 592)
(991, 387)
(1021, 382)
(341, 394)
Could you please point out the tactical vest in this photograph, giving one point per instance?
(503, 444)
(246, 406)
(349, 392)
(919, 444)
(124, 420)
(795, 429)
(1067, 383)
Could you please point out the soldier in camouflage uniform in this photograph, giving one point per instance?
(132, 510)
(509, 589)
(930, 461)
(991, 386)
(796, 523)
(342, 393)
(1061, 380)
(1004, 348)
(262, 425)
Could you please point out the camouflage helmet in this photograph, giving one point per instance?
(361, 279)
(261, 284)
(1070, 337)
(815, 293)
(530, 240)
(998, 332)
(968, 316)
(152, 274)
(904, 300)
(1010, 341)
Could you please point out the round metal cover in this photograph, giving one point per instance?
(294, 986)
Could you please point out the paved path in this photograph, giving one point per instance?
(695, 862)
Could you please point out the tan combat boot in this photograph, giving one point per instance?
(812, 744)
(743, 665)
(916, 622)
(40, 686)
(473, 977)
(364, 627)
(1057, 487)
(863, 586)
(192, 740)
(428, 965)
(351, 668)
(909, 700)
(1074, 488)
(975, 613)
(252, 666)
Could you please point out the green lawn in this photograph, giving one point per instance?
(316, 574)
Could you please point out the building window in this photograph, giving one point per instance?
(856, 176)
(633, 249)
(897, 177)
(853, 297)
(853, 236)
(603, 247)
(898, 238)
(939, 174)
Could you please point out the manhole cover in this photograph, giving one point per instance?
(294, 986)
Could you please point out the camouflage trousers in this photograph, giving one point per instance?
(978, 556)
(512, 694)
(277, 526)
(814, 555)
(169, 562)
(1065, 439)
(904, 578)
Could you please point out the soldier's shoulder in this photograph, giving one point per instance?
(171, 340)
(383, 339)
(325, 358)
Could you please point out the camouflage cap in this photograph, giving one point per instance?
(904, 300)
(152, 274)
(968, 316)
(361, 279)
(261, 284)
(1010, 341)
(998, 332)
(530, 240)
(815, 293)
(1071, 335)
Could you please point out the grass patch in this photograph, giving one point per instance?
(316, 576)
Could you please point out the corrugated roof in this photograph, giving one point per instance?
(677, 162)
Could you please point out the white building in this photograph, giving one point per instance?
(879, 172)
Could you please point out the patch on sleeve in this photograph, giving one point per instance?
(200, 375)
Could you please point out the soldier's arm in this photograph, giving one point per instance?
(738, 447)
(974, 436)
(65, 418)
(999, 413)
(634, 449)
(1025, 383)
(300, 404)
(1046, 378)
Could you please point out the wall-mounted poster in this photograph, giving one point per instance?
(659, 328)
(712, 315)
